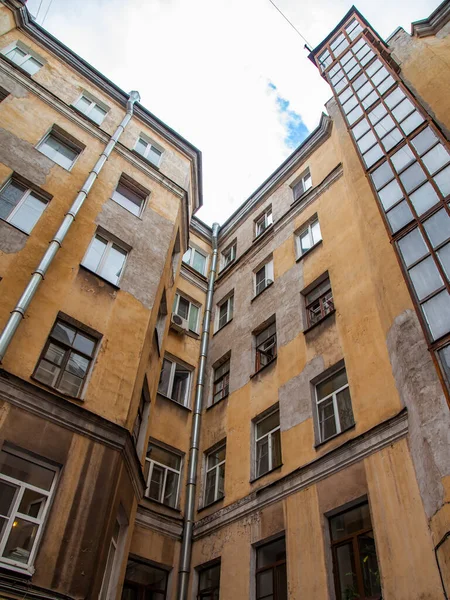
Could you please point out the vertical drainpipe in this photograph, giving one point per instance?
(191, 484)
(38, 275)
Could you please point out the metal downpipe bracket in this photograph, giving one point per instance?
(191, 483)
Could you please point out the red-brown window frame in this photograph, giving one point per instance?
(272, 567)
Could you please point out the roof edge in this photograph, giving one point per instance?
(432, 24)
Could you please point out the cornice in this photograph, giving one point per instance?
(312, 142)
(27, 24)
(53, 408)
(351, 452)
(202, 229)
(163, 524)
(192, 277)
(435, 22)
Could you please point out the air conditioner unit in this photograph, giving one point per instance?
(178, 323)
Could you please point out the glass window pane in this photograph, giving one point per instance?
(370, 99)
(412, 122)
(345, 410)
(271, 553)
(7, 496)
(180, 384)
(348, 582)
(382, 175)
(24, 470)
(384, 126)
(84, 344)
(262, 456)
(332, 384)
(21, 540)
(32, 503)
(70, 384)
(128, 198)
(270, 422)
(412, 177)
(316, 233)
(31, 66)
(10, 196)
(438, 227)
(444, 257)
(436, 158)
(444, 357)
(392, 139)
(113, 265)
(403, 109)
(47, 372)
(97, 114)
(387, 84)
(437, 314)
(377, 113)
(394, 98)
(28, 214)
(424, 141)
(442, 180)
(374, 67)
(193, 318)
(412, 247)
(402, 158)
(360, 129)
(364, 90)
(16, 55)
(327, 421)
(171, 489)
(345, 95)
(77, 364)
(424, 198)
(390, 194)
(55, 354)
(399, 216)
(264, 585)
(369, 565)
(371, 157)
(425, 278)
(276, 449)
(367, 141)
(83, 104)
(210, 487)
(164, 378)
(95, 253)
(156, 483)
(351, 521)
(380, 76)
(199, 263)
(305, 241)
(354, 115)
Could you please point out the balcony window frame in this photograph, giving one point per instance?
(213, 472)
(111, 243)
(258, 442)
(43, 197)
(174, 363)
(263, 222)
(176, 305)
(40, 520)
(165, 468)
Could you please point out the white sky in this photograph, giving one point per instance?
(204, 68)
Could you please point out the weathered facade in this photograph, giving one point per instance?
(311, 423)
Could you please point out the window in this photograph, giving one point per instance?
(266, 346)
(302, 186)
(140, 423)
(23, 57)
(130, 195)
(263, 222)
(319, 303)
(334, 405)
(144, 582)
(20, 205)
(110, 576)
(162, 472)
(355, 564)
(3, 94)
(148, 150)
(221, 381)
(215, 475)
(209, 582)
(160, 327)
(228, 255)
(308, 237)
(105, 258)
(268, 443)
(174, 382)
(59, 149)
(66, 359)
(225, 312)
(94, 109)
(27, 485)
(187, 310)
(271, 576)
(263, 277)
(195, 259)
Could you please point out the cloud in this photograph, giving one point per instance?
(229, 75)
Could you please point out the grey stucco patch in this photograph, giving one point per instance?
(295, 395)
(149, 240)
(11, 239)
(23, 158)
(289, 310)
(429, 418)
(12, 86)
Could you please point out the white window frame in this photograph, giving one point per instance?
(190, 261)
(268, 435)
(116, 547)
(174, 362)
(150, 144)
(262, 348)
(335, 405)
(29, 54)
(166, 469)
(263, 222)
(22, 201)
(54, 133)
(268, 277)
(229, 301)
(40, 521)
(110, 243)
(135, 188)
(179, 295)
(231, 251)
(307, 229)
(215, 468)
(94, 102)
(304, 182)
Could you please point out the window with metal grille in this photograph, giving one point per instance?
(334, 405)
(66, 359)
(319, 303)
(271, 574)
(215, 474)
(162, 473)
(266, 346)
(267, 443)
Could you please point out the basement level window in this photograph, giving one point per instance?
(20, 205)
(60, 148)
(92, 108)
(24, 57)
(149, 150)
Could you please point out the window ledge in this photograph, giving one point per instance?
(263, 233)
(264, 367)
(223, 327)
(113, 285)
(79, 112)
(333, 437)
(146, 160)
(224, 269)
(195, 272)
(304, 195)
(302, 256)
(15, 227)
(216, 403)
(24, 571)
(13, 64)
(129, 211)
(205, 506)
(55, 391)
(330, 314)
(174, 402)
(158, 503)
(278, 468)
(261, 292)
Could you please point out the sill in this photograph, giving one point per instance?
(302, 256)
(304, 195)
(15, 227)
(333, 437)
(205, 506)
(226, 267)
(13, 64)
(330, 314)
(20, 569)
(223, 327)
(158, 503)
(56, 390)
(216, 403)
(146, 160)
(174, 402)
(263, 368)
(259, 293)
(129, 211)
(79, 112)
(116, 287)
(262, 234)
(195, 272)
(278, 468)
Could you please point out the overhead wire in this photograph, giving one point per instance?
(307, 44)
(39, 9)
(46, 13)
